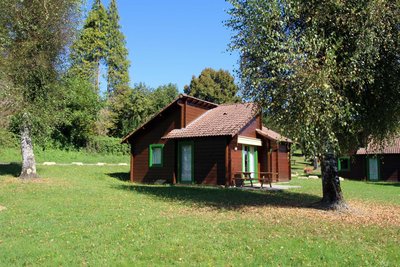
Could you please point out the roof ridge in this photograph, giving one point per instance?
(196, 98)
(214, 123)
(232, 104)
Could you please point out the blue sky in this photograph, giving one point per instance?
(171, 40)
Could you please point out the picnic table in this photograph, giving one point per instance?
(263, 178)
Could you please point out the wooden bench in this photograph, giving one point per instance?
(242, 177)
(263, 178)
(266, 178)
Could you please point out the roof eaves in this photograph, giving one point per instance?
(124, 140)
(181, 96)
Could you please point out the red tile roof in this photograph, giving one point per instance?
(391, 147)
(224, 120)
(273, 135)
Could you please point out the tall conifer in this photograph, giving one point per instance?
(90, 49)
(117, 62)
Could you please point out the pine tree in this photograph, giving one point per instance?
(90, 49)
(117, 62)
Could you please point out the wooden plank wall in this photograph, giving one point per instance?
(358, 169)
(283, 163)
(390, 168)
(250, 129)
(193, 112)
(236, 157)
(152, 135)
(209, 160)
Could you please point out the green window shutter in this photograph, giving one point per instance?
(243, 159)
(344, 164)
(255, 162)
(156, 148)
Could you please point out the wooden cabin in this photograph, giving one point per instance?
(373, 163)
(195, 141)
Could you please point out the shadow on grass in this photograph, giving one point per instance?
(13, 169)
(222, 198)
(122, 176)
(396, 184)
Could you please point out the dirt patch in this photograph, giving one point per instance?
(359, 214)
(2, 208)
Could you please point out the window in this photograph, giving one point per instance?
(344, 164)
(156, 155)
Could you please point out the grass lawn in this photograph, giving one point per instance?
(62, 156)
(89, 215)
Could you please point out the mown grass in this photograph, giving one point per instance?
(62, 156)
(88, 215)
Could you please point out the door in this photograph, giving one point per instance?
(185, 162)
(250, 160)
(373, 169)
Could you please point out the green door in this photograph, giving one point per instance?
(250, 160)
(185, 162)
(373, 169)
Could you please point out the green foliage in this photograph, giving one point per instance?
(78, 108)
(214, 86)
(8, 139)
(107, 145)
(163, 96)
(90, 49)
(137, 105)
(117, 53)
(325, 71)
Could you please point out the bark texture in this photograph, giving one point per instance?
(28, 158)
(332, 192)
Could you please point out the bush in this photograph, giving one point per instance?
(8, 139)
(107, 145)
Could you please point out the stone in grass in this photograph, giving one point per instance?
(313, 177)
(303, 177)
(77, 163)
(341, 179)
(100, 164)
(160, 181)
(123, 164)
(49, 163)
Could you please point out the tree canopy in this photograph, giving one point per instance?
(214, 86)
(33, 45)
(326, 72)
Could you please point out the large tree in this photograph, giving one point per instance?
(89, 51)
(34, 35)
(117, 54)
(327, 72)
(214, 86)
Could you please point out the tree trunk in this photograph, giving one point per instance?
(315, 163)
(332, 192)
(28, 158)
